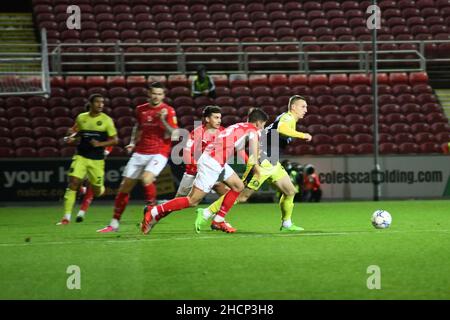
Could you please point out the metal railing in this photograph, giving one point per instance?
(25, 73)
(178, 58)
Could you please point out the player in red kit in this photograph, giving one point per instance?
(156, 122)
(212, 166)
(199, 138)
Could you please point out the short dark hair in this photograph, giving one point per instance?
(91, 99)
(201, 67)
(156, 85)
(209, 110)
(257, 114)
(294, 99)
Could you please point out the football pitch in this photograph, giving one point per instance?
(334, 258)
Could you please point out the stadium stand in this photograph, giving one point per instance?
(410, 117)
(340, 104)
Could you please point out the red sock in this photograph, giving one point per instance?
(172, 205)
(87, 199)
(150, 193)
(228, 202)
(120, 204)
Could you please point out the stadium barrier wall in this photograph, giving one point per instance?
(341, 178)
(402, 176)
(46, 180)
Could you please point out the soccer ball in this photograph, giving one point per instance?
(381, 219)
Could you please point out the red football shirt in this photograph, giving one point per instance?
(230, 139)
(199, 138)
(154, 139)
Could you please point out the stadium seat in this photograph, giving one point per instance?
(342, 138)
(420, 127)
(359, 128)
(303, 149)
(408, 147)
(338, 129)
(324, 149)
(388, 148)
(346, 148)
(6, 152)
(26, 152)
(430, 147)
(19, 122)
(403, 137)
(68, 151)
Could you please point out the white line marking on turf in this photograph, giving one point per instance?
(221, 237)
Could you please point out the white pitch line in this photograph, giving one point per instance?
(220, 237)
(171, 239)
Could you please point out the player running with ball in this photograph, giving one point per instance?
(271, 168)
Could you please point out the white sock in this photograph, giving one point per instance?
(81, 213)
(67, 216)
(114, 223)
(207, 214)
(154, 212)
(218, 218)
(287, 223)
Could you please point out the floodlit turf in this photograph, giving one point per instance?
(329, 260)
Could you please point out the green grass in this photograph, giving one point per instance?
(327, 261)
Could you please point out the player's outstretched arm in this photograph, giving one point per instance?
(285, 130)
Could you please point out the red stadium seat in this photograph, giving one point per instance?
(440, 127)
(346, 148)
(390, 108)
(398, 77)
(68, 151)
(322, 139)
(399, 128)
(63, 122)
(41, 122)
(46, 142)
(298, 79)
(418, 78)
(443, 137)
(408, 147)
(403, 137)
(355, 79)
(318, 79)
(312, 119)
(415, 117)
(359, 128)
(436, 117)
(316, 129)
(26, 152)
(183, 101)
(278, 80)
(342, 138)
(338, 129)
(6, 152)
(242, 101)
(323, 149)
(388, 148)
(430, 147)
(224, 101)
(281, 90)
(179, 91)
(420, 127)
(328, 109)
(48, 152)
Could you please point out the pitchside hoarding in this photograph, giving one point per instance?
(341, 178)
(36, 180)
(401, 176)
